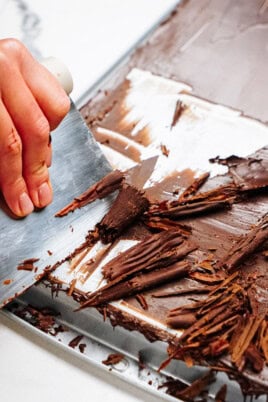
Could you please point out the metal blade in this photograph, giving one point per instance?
(77, 163)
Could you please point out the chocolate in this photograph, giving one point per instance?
(192, 189)
(116, 290)
(179, 109)
(99, 190)
(247, 173)
(129, 205)
(223, 197)
(27, 265)
(195, 37)
(246, 245)
(221, 394)
(75, 341)
(156, 251)
(113, 358)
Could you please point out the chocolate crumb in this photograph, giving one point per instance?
(82, 347)
(74, 342)
(113, 358)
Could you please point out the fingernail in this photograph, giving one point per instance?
(44, 195)
(25, 204)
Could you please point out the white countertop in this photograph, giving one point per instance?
(89, 36)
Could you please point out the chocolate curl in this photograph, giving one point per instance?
(129, 205)
(114, 291)
(192, 189)
(246, 245)
(159, 250)
(222, 197)
(107, 185)
(181, 321)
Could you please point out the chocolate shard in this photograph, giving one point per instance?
(129, 205)
(113, 358)
(196, 388)
(158, 250)
(107, 185)
(192, 189)
(250, 174)
(221, 394)
(114, 291)
(222, 197)
(246, 245)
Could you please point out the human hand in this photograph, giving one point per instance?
(32, 103)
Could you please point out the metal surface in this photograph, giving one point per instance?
(77, 163)
(101, 340)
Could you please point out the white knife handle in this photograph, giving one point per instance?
(60, 71)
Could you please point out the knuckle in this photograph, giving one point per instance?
(60, 108)
(42, 130)
(13, 146)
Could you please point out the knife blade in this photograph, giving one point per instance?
(41, 238)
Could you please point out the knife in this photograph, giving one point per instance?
(39, 241)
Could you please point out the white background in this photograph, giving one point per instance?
(89, 36)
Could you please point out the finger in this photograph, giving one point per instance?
(12, 183)
(34, 130)
(49, 94)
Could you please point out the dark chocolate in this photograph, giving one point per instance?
(156, 251)
(107, 185)
(113, 358)
(246, 245)
(129, 205)
(114, 291)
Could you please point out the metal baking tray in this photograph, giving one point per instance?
(206, 130)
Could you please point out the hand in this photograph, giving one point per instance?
(32, 103)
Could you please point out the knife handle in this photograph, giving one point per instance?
(60, 71)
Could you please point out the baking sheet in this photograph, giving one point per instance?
(203, 131)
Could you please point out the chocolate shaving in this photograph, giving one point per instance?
(142, 301)
(158, 250)
(75, 342)
(194, 187)
(246, 245)
(223, 197)
(113, 358)
(116, 290)
(107, 185)
(129, 205)
(221, 394)
(82, 347)
(197, 387)
(27, 265)
(179, 109)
